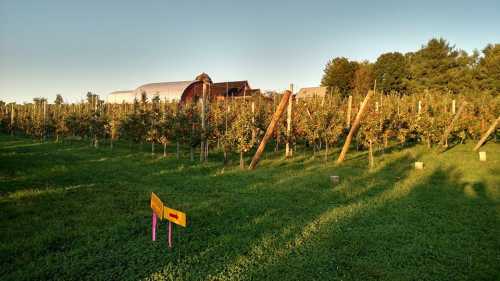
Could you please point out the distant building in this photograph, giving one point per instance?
(234, 89)
(184, 91)
(311, 92)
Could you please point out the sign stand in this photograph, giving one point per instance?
(170, 230)
(153, 230)
(160, 211)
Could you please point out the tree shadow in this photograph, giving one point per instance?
(442, 228)
(241, 225)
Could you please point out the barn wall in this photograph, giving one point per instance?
(193, 92)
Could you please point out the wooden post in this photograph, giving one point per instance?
(254, 131)
(349, 110)
(453, 103)
(44, 118)
(487, 134)
(170, 232)
(419, 107)
(203, 125)
(288, 150)
(354, 128)
(444, 141)
(270, 129)
(12, 118)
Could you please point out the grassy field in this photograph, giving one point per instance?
(72, 212)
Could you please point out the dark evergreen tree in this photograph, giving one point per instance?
(391, 72)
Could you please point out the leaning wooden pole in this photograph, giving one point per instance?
(487, 134)
(270, 129)
(354, 128)
(444, 141)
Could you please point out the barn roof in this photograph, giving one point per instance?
(165, 90)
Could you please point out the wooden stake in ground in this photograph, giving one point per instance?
(288, 150)
(12, 119)
(354, 128)
(444, 141)
(487, 134)
(270, 129)
(349, 109)
(203, 124)
(44, 102)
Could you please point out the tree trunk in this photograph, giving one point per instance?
(444, 141)
(202, 152)
(370, 148)
(242, 161)
(177, 151)
(326, 151)
(206, 151)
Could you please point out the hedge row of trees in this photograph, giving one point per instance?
(437, 65)
(237, 125)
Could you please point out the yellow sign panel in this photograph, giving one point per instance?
(174, 216)
(157, 205)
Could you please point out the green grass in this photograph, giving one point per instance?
(72, 212)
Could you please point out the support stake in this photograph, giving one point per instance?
(270, 129)
(153, 230)
(170, 230)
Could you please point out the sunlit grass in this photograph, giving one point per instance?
(72, 212)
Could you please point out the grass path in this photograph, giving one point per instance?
(72, 212)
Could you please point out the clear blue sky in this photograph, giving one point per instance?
(71, 47)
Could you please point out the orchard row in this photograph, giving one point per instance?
(237, 125)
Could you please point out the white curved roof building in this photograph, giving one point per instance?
(166, 91)
(121, 97)
(183, 91)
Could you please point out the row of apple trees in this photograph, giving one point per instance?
(238, 125)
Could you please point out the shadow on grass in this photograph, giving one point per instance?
(439, 229)
(241, 225)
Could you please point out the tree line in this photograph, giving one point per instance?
(437, 65)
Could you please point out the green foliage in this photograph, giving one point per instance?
(436, 66)
(242, 127)
(339, 75)
(489, 68)
(439, 66)
(391, 73)
(364, 78)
